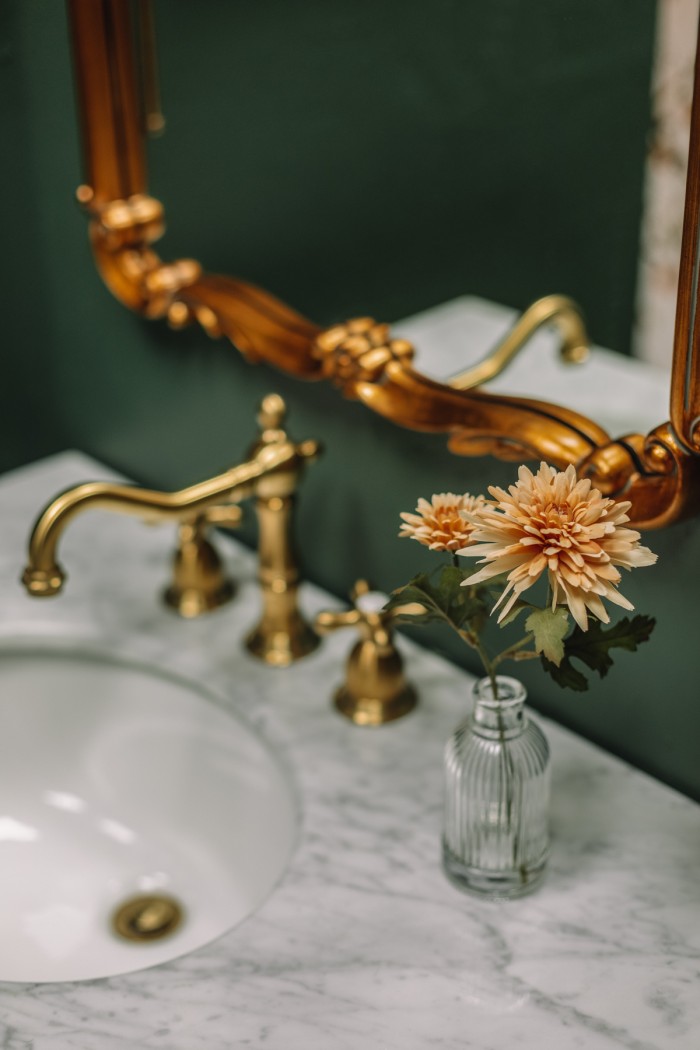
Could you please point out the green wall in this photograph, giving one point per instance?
(351, 157)
(374, 155)
(29, 426)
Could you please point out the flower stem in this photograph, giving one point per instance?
(506, 760)
(511, 650)
(489, 666)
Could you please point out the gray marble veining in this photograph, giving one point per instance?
(364, 943)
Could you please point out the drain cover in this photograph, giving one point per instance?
(147, 918)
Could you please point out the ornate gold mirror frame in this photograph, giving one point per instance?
(659, 472)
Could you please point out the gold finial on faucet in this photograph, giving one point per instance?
(375, 690)
(271, 474)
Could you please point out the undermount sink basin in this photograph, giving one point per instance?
(118, 782)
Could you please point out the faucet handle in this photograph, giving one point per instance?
(375, 690)
(199, 582)
(227, 516)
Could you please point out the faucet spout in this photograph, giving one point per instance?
(554, 309)
(278, 457)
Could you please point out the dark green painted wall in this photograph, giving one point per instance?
(29, 427)
(352, 157)
(386, 156)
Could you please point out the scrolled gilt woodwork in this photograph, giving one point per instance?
(359, 352)
(658, 472)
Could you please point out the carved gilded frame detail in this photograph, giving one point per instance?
(659, 472)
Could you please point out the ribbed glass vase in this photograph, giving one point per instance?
(495, 835)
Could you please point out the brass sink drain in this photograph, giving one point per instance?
(147, 918)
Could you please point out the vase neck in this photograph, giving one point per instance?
(503, 716)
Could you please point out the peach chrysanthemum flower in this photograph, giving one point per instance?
(441, 523)
(551, 522)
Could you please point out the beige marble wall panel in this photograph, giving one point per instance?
(665, 179)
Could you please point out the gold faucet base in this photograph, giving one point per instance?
(192, 602)
(199, 581)
(370, 711)
(282, 648)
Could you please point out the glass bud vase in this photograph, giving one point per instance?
(495, 835)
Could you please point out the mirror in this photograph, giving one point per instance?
(273, 83)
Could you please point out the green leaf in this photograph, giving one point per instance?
(463, 605)
(417, 590)
(463, 608)
(566, 675)
(549, 627)
(592, 647)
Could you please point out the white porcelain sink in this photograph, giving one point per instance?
(116, 781)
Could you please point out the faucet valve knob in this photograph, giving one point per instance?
(199, 581)
(375, 690)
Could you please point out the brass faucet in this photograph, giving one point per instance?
(270, 475)
(375, 690)
(552, 309)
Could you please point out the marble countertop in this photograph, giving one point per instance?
(365, 943)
